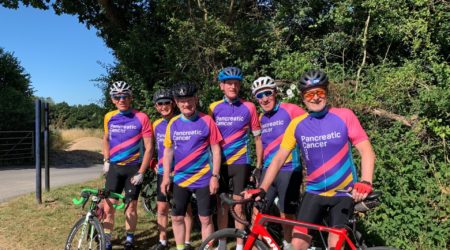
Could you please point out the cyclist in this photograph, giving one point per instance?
(274, 120)
(191, 138)
(124, 165)
(164, 104)
(324, 135)
(234, 118)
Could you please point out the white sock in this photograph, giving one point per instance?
(239, 246)
(163, 242)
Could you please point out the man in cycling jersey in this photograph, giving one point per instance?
(235, 117)
(325, 135)
(191, 138)
(274, 120)
(124, 165)
(165, 105)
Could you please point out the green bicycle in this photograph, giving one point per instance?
(87, 233)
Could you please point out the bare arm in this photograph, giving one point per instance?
(277, 162)
(167, 162)
(105, 149)
(214, 182)
(367, 160)
(259, 151)
(148, 144)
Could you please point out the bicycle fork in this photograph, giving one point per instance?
(83, 231)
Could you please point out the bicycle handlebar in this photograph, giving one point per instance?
(87, 192)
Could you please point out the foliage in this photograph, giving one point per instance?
(16, 95)
(64, 116)
(387, 60)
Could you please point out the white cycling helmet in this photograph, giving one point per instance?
(120, 87)
(263, 83)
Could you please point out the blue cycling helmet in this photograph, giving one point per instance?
(312, 79)
(229, 73)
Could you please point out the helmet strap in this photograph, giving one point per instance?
(319, 114)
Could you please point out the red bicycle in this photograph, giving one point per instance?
(259, 237)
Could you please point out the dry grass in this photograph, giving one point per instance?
(75, 133)
(26, 225)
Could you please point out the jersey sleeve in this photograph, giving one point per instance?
(147, 130)
(168, 138)
(106, 121)
(214, 134)
(289, 140)
(356, 133)
(255, 126)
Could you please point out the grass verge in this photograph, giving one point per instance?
(27, 225)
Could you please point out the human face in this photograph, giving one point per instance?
(231, 88)
(187, 105)
(315, 99)
(165, 108)
(122, 101)
(267, 98)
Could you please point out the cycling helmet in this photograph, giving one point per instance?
(184, 89)
(262, 83)
(120, 87)
(312, 79)
(230, 73)
(162, 94)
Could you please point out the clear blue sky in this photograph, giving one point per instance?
(60, 54)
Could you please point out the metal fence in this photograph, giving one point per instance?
(16, 145)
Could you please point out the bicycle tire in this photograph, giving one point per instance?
(146, 204)
(98, 239)
(229, 233)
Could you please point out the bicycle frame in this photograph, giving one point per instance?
(259, 229)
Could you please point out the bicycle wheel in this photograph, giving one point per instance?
(147, 204)
(230, 235)
(86, 235)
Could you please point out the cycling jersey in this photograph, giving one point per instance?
(191, 140)
(234, 119)
(273, 125)
(125, 131)
(159, 127)
(326, 149)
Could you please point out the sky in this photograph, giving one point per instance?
(61, 55)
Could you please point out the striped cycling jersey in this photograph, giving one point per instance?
(235, 119)
(273, 125)
(191, 140)
(159, 128)
(326, 149)
(125, 131)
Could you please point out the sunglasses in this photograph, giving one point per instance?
(266, 93)
(163, 103)
(308, 96)
(119, 97)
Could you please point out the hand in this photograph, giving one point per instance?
(213, 185)
(257, 193)
(256, 175)
(137, 179)
(105, 167)
(361, 190)
(165, 186)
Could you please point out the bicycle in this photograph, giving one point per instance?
(87, 233)
(259, 237)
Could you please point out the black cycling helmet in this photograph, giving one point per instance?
(312, 79)
(184, 89)
(162, 94)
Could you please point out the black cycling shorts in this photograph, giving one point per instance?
(238, 173)
(182, 197)
(315, 208)
(286, 187)
(118, 179)
(159, 195)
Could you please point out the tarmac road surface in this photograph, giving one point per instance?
(17, 181)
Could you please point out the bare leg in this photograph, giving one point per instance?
(163, 219)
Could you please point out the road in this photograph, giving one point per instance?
(16, 182)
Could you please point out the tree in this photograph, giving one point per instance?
(16, 95)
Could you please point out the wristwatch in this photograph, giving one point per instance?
(216, 175)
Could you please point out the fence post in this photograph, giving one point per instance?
(38, 150)
(46, 143)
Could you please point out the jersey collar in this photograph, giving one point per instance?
(192, 118)
(225, 99)
(274, 110)
(319, 114)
